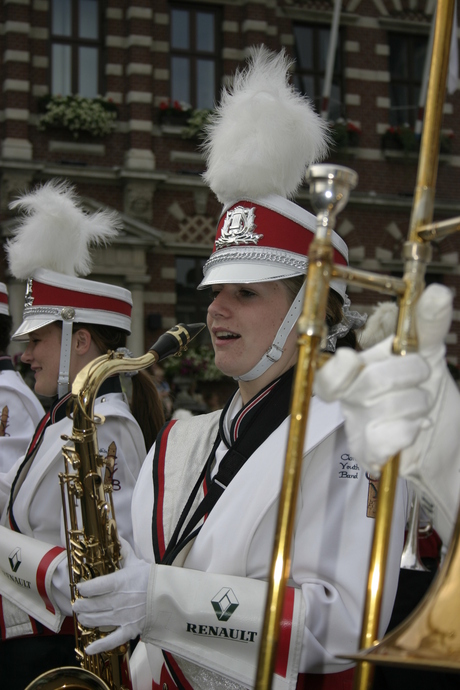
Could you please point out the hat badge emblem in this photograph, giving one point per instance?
(238, 228)
(29, 297)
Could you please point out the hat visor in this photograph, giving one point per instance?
(246, 272)
(30, 325)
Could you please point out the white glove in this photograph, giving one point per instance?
(118, 599)
(409, 403)
(382, 402)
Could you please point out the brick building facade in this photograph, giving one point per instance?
(150, 173)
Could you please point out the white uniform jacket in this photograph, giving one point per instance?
(330, 555)
(20, 412)
(39, 585)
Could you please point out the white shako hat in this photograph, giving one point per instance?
(52, 296)
(265, 239)
(4, 300)
(259, 143)
(50, 249)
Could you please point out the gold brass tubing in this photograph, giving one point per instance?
(311, 324)
(371, 281)
(437, 231)
(422, 210)
(379, 553)
(125, 365)
(422, 214)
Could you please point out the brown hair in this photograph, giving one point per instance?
(145, 403)
(334, 312)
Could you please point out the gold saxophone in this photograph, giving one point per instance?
(93, 547)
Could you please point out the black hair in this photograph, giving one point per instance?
(6, 325)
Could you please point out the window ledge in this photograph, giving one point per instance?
(411, 156)
(76, 147)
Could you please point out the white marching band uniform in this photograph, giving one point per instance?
(330, 556)
(20, 409)
(206, 610)
(51, 250)
(38, 514)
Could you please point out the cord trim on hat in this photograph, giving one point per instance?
(267, 254)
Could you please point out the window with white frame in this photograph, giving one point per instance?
(76, 47)
(406, 62)
(311, 49)
(195, 54)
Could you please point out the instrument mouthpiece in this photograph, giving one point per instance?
(176, 340)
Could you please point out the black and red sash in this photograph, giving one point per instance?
(252, 425)
(6, 363)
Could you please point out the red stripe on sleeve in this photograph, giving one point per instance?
(284, 641)
(161, 487)
(2, 620)
(44, 564)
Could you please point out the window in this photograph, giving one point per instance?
(195, 64)
(192, 304)
(407, 60)
(311, 48)
(76, 47)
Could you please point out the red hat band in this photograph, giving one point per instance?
(247, 223)
(52, 296)
(42, 295)
(4, 309)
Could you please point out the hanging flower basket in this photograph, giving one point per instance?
(401, 138)
(196, 124)
(95, 117)
(345, 134)
(174, 113)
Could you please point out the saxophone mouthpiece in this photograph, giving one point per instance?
(176, 340)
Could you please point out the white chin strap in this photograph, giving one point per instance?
(64, 363)
(276, 349)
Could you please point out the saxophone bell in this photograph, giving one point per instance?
(67, 677)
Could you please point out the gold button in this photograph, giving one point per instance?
(165, 686)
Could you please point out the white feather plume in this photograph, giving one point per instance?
(380, 324)
(55, 233)
(264, 133)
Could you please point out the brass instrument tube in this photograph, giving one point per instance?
(364, 672)
(331, 195)
(372, 281)
(416, 255)
(311, 325)
(439, 230)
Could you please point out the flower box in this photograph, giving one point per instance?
(344, 134)
(80, 116)
(174, 113)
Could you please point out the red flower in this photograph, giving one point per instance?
(353, 128)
